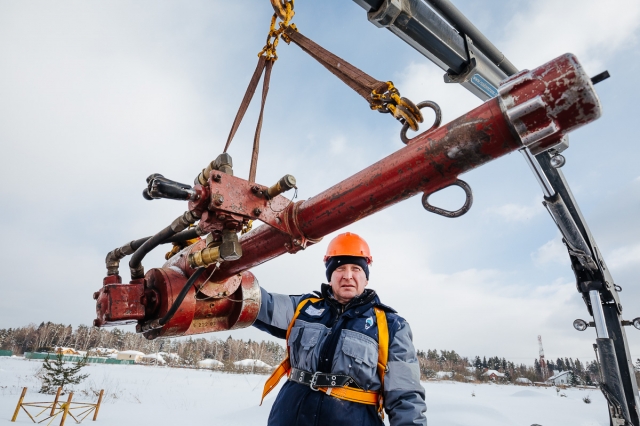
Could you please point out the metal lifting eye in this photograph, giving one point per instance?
(580, 325)
(436, 122)
(447, 213)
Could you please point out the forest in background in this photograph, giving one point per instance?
(47, 336)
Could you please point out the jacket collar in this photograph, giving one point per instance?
(366, 297)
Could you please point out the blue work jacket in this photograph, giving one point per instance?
(328, 337)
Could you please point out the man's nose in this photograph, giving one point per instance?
(348, 274)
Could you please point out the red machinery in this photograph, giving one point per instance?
(208, 287)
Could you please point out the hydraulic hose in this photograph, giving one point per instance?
(187, 234)
(182, 222)
(158, 323)
(114, 256)
(183, 293)
(135, 264)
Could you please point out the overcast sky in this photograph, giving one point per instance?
(95, 96)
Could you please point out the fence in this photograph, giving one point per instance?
(77, 410)
(76, 358)
(6, 353)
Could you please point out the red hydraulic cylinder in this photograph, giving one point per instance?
(534, 109)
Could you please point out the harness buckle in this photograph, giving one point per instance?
(312, 383)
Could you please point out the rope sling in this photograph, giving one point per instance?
(381, 96)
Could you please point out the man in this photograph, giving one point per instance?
(348, 354)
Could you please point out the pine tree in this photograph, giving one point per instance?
(56, 375)
(484, 362)
(588, 380)
(579, 367)
(573, 379)
(477, 363)
(536, 367)
(568, 365)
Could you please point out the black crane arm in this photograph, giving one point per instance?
(440, 32)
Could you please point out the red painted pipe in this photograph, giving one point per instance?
(534, 108)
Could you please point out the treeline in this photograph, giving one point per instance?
(47, 336)
(463, 369)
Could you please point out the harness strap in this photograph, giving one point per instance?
(285, 366)
(354, 395)
(345, 393)
(383, 352)
(321, 380)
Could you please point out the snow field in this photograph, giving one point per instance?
(149, 395)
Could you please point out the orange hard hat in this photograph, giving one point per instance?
(348, 244)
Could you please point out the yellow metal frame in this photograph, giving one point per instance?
(56, 408)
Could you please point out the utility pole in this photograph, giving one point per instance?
(543, 364)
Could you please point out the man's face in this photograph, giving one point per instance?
(347, 282)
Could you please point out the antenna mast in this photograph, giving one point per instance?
(543, 364)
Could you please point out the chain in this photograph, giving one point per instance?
(285, 12)
(402, 109)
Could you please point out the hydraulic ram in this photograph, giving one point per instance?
(533, 109)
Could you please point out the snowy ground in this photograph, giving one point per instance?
(165, 396)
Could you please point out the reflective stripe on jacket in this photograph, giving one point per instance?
(330, 338)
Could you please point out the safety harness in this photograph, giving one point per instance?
(336, 385)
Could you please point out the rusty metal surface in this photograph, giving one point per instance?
(204, 314)
(250, 296)
(117, 303)
(545, 104)
(430, 162)
(435, 159)
(536, 107)
(208, 289)
(168, 283)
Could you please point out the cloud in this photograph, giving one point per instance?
(624, 257)
(423, 81)
(551, 252)
(482, 311)
(517, 212)
(96, 97)
(592, 29)
(338, 144)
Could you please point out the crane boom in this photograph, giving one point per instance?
(207, 286)
(439, 31)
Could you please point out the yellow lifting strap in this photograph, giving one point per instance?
(344, 393)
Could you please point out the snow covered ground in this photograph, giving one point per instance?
(149, 395)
